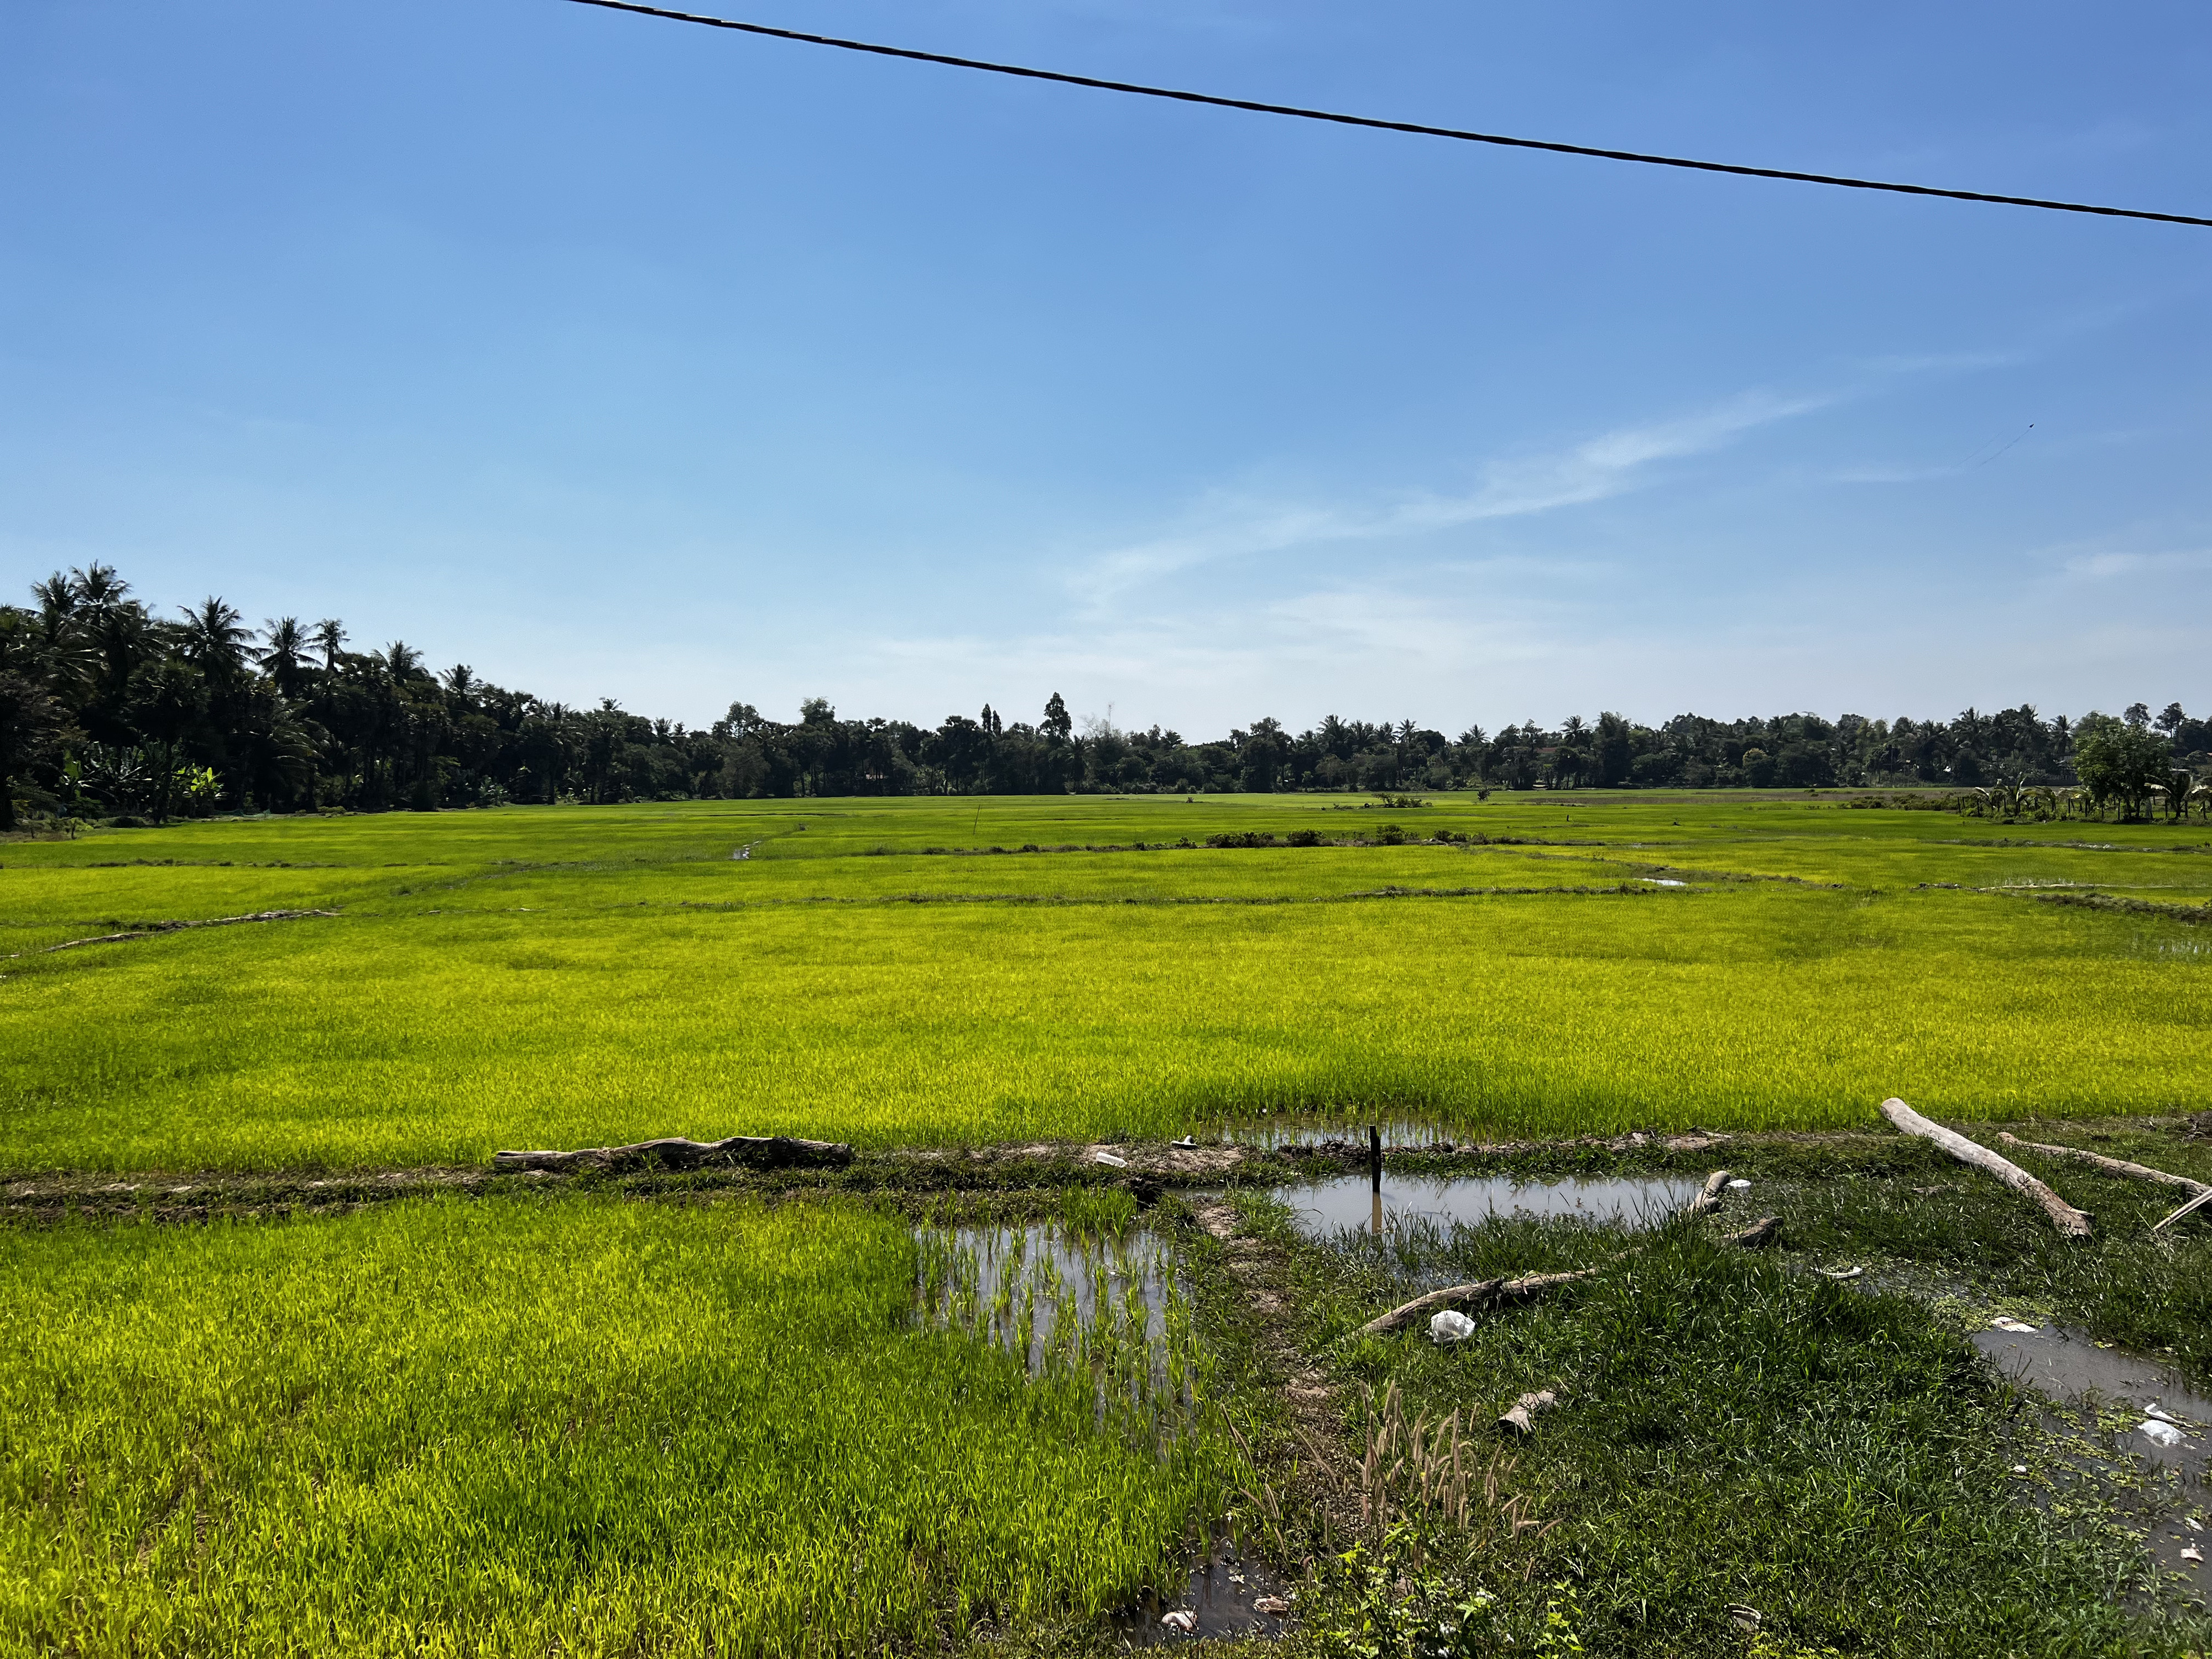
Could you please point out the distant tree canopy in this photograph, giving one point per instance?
(107, 707)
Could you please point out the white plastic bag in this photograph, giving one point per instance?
(1448, 1327)
(2158, 1433)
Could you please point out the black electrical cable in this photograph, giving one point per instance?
(1387, 126)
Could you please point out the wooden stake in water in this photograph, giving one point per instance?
(1375, 1175)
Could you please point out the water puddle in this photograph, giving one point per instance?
(2167, 1427)
(1060, 1296)
(1224, 1597)
(1327, 1208)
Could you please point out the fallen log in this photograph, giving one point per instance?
(1490, 1291)
(1516, 1421)
(2189, 1209)
(1709, 1197)
(2071, 1222)
(2114, 1166)
(753, 1152)
(1484, 1291)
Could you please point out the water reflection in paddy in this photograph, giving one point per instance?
(1329, 1207)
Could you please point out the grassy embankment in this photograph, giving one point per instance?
(1735, 1429)
(581, 976)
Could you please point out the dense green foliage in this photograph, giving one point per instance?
(576, 1426)
(106, 708)
(577, 977)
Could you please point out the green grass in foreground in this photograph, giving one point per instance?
(576, 1426)
(1735, 1431)
(577, 977)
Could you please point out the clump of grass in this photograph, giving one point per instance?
(578, 1426)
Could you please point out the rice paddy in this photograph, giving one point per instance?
(965, 1404)
(582, 976)
(569, 1427)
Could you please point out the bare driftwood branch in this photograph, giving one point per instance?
(1516, 1421)
(2189, 1209)
(1491, 1292)
(148, 930)
(1709, 1197)
(1484, 1291)
(755, 1151)
(1763, 1231)
(2071, 1222)
(2115, 1166)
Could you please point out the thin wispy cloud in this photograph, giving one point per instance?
(2104, 567)
(1228, 526)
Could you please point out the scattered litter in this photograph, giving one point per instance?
(2159, 1433)
(1273, 1605)
(1182, 1619)
(1745, 1617)
(1108, 1157)
(1187, 1143)
(2020, 1468)
(2192, 1523)
(2160, 1411)
(1839, 1273)
(2191, 1554)
(1449, 1327)
(1738, 1184)
(1524, 1408)
(2006, 1323)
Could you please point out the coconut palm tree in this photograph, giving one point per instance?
(216, 637)
(329, 635)
(285, 653)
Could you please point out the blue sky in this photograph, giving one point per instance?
(616, 358)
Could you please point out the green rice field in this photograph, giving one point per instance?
(969, 1405)
(565, 1427)
(903, 971)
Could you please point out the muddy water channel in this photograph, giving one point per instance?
(1326, 1208)
(2143, 1418)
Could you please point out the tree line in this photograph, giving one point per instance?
(109, 708)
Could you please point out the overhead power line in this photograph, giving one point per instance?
(1344, 120)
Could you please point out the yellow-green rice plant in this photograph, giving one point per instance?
(581, 1426)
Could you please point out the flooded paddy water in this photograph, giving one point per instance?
(2146, 1416)
(1323, 1209)
(1045, 1290)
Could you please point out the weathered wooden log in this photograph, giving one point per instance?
(1484, 1291)
(1709, 1197)
(753, 1152)
(2113, 1166)
(2071, 1222)
(1494, 1291)
(2189, 1209)
(1516, 1421)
